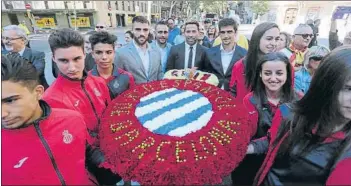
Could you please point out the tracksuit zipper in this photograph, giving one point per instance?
(48, 150)
(91, 103)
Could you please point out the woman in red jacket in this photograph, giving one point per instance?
(41, 145)
(264, 40)
(271, 87)
(312, 143)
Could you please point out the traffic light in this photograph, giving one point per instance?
(109, 14)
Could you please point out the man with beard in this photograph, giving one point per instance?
(188, 54)
(138, 58)
(302, 37)
(221, 59)
(15, 40)
(161, 33)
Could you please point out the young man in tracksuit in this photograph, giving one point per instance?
(103, 51)
(75, 90)
(40, 144)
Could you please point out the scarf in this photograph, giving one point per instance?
(297, 57)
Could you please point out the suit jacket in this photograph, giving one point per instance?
(176, 57)
(128, 59)
(38, 60)
(89, 64)
(213, 64)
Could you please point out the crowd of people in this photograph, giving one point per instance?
(297, 97)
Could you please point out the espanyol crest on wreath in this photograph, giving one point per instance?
(178, 132)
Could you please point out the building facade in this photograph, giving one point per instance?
(288, 14)
(76, 14)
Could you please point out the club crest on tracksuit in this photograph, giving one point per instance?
(67, 137)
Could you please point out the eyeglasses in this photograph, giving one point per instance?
(10, 39)
(305, 35)
(100, 27)
(316, 58)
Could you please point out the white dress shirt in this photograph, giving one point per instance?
(226, 58)
(22, 51)
(144, 56)
(187, 50)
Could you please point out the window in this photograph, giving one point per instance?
(145, 8)
(17, 5)
(3, 5)
(142, 7)
(116, 3)
(38, 5)
(290, 16)
(122, 5)
(128, 4)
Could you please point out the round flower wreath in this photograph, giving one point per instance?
(201, 157)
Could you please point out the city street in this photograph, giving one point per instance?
(39, 42)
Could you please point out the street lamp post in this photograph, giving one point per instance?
(75, 15)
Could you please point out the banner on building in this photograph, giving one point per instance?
(45, 22)
(81, 21)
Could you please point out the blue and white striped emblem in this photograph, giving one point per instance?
(174, 112)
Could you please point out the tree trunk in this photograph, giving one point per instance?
(171, 10)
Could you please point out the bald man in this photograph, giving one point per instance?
(302, 37)
(100, 27)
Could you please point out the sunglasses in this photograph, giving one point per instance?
(100, 27)
(317, 58)
(305, 35)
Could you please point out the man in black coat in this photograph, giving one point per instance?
(220, 59)
(188, 54)
(15, 41)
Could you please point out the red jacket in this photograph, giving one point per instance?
(88, 96)
(338, 176)
(237, 81)
(51, 151)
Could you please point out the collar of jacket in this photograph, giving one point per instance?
(95, 72)
(67, 82)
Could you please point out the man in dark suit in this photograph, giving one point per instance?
(15, 40)
(188, 54)
(220, 60)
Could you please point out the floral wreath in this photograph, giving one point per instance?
(136, 150)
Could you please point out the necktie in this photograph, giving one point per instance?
(190, 59)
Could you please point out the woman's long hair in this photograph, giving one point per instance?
(259, 89)
(254, 51)
(215, 32)
(319, 109)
